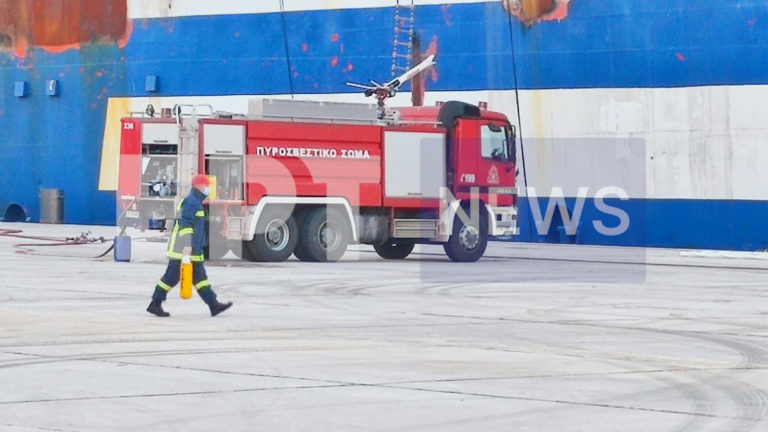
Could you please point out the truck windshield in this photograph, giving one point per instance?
(494, 142)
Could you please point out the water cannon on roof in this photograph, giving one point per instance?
(388, 90)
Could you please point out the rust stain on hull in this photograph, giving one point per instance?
(61, 25)
(419, 82)
(532, 11)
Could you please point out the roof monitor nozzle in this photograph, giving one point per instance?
(388, 90)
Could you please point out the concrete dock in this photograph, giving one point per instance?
(533, 337)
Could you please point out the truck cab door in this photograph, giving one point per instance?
(483, 158)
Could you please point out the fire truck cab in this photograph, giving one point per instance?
(308, 178)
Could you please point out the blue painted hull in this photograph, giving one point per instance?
(676, 223)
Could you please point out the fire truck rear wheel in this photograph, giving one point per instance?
(275, 238)
(393, 249)
(246, 252)
(299, 252)
(468, 240)
(324, 235)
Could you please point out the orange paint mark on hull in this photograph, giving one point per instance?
(58, 49)
(123, 41)
(20, 47)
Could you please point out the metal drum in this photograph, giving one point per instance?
(51, 206)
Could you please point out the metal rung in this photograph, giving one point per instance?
(416, 223)
(404, 22)
(413, 234)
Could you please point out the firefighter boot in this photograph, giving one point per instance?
(209, 297)
(217, 308)
(156, 308)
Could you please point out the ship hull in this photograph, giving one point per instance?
(683, 82)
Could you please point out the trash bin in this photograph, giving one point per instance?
(51, 206)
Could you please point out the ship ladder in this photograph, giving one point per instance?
(403, 42)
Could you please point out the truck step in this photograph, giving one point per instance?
(415, 228)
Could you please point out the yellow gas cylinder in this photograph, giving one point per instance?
(186, 278)
(214, 194)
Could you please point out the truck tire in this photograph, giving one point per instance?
(247, 255)
(275, 238)
(393, 249)
(324, 235)
(300, 253)
(468, 241)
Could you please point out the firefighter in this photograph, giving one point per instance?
(188, 239)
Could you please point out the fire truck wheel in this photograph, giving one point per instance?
(394, 249)
(247, 255)
(324, 235)
(468, 240)
(276, 237)
(300, 253)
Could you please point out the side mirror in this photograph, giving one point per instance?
(177, 114)
(512, 143)
(494, 127)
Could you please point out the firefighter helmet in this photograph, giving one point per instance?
(200, 180)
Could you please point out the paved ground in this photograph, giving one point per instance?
(535, 337)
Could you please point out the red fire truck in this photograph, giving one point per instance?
(308, 178)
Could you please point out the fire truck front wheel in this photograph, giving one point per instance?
(275, 239)
(324, 235)
(468, 240)
(394, 249)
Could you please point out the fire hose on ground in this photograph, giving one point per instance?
(82, 239)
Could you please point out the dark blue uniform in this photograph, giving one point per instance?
(189, 230)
